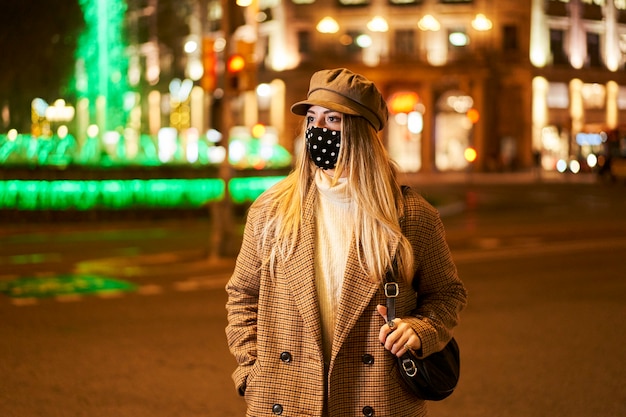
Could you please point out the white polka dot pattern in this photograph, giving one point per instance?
(323, 146)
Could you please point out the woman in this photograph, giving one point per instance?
(306, 316)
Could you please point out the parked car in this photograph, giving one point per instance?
(612, 164)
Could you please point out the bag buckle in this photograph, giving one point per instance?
(409, 367)
(391, 289)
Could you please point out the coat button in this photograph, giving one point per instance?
(368, 411)
(285, 357)
(367, 359)
(277, 409)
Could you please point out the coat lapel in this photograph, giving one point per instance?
(300, 271)
(357, 292)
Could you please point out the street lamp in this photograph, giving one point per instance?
(327, 25)
(481, 23)
(378, 24)
(429, 23)
(435, 40)
(373, 53)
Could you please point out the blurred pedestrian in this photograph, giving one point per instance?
(306, 316)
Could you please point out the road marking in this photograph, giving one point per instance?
(215, 282)
(109, 294)
(68, 298)
(188, 285)
(150, 289)
(26, 301)
(201, 283)
(9, 277)
(30, 258)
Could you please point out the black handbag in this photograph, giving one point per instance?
(431, 378)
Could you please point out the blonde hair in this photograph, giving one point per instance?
(374, 186)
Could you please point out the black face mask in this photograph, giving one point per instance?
(323, 145)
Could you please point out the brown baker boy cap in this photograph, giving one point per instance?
(346, 92)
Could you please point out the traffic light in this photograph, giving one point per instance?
(473, 115)
(209, 63)
(241, 67)
(470, 154)
(234, 67)
(236, 64)
(258, 130)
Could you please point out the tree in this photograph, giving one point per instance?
(38, 39)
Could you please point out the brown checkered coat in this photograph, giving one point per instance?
(274, 324)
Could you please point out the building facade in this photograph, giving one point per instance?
(479, 85)
(579, 81)
(456, 74)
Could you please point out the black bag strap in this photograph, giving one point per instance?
(391, 292)
(391, 286)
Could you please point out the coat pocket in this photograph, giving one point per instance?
(255, 370)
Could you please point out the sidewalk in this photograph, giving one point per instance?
(448, 204)
(197, 262)
(460, 178)
(190, 263)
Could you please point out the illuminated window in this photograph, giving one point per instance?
(621, 98)
(558, 96)
(594, 95)
(406, 124)
(452, 130)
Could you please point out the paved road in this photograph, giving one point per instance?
(543, 334)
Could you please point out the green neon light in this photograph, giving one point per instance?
(63, 285)
(102, 63)
(109, 194)
(31, 195)
(55, 151)
(248, 189)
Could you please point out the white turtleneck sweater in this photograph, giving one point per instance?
(334, 231)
